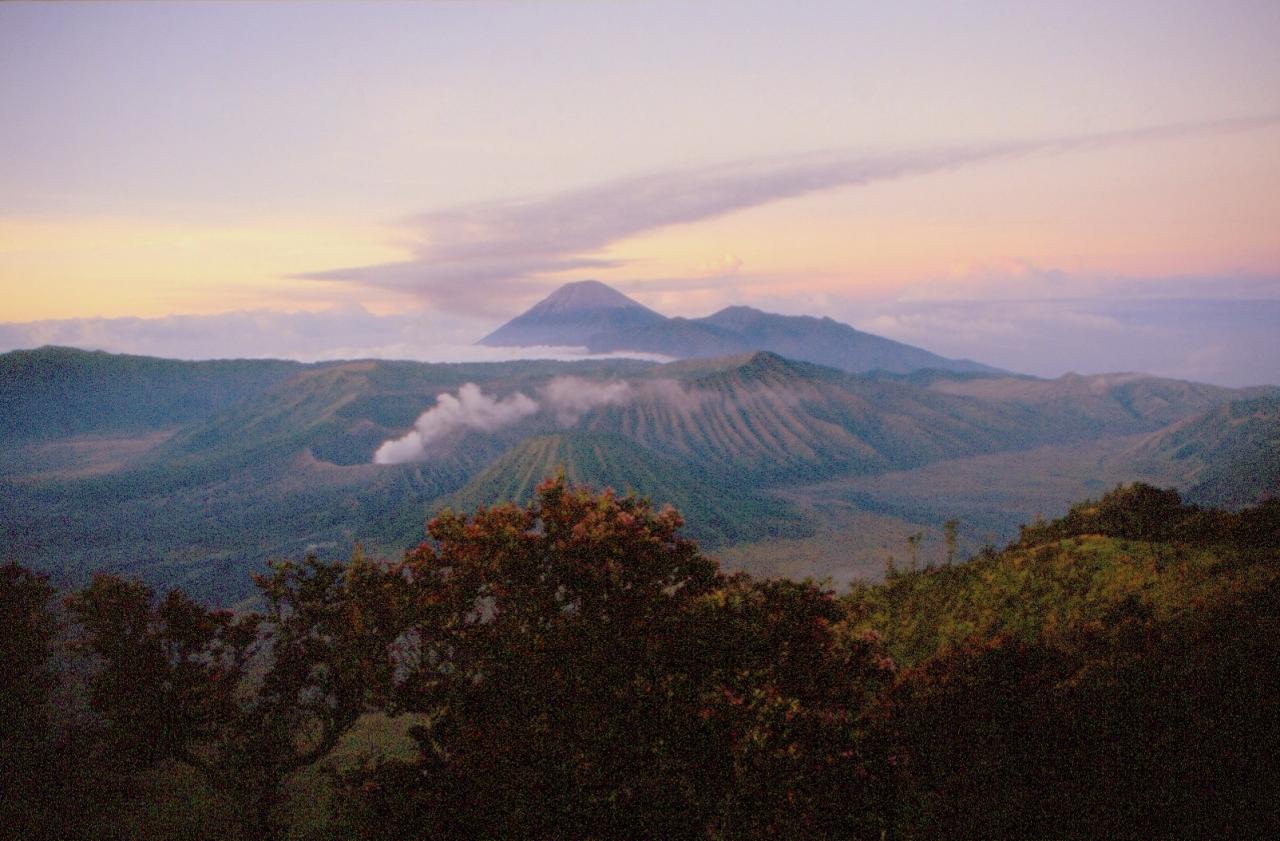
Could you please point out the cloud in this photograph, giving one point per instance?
(470, 409)
(1044, 321)
(568, 398)
(572, 397)
(1021, 280)
(339, 333)
(472, 259)
(256, 333)
(1226, 340)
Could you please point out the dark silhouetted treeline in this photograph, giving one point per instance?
(577, 669)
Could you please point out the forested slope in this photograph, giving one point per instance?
(576, 668)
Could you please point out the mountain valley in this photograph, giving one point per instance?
(194, 473)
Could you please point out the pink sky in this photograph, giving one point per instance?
(888, 164)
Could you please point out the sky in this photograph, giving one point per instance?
(1045, 187)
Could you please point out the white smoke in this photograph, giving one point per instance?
(567, 398)
(471, 409)
(571, 397)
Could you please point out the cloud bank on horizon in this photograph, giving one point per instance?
(472, 260)
(337, 333)
(1218, 330)
(472, 265)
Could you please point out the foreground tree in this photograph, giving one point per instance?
(583, 671)
(248, 699)
(29, 741)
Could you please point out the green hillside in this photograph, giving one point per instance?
(1110, 675)
(1079, 407)
(715, 514)
(1228, 456)
(758, 450)
(54, 392)
(1136, 547)
(777, 420)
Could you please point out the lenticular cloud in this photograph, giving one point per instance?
(470, 409)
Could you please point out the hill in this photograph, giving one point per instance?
(778, 420)
(603, 320)
(54, 392)
(1228, 456)
(1115, 404)
(1093, 680)
(819, 340)
(284, 471)
(1135, 542)
(757, 447)
(715, 514)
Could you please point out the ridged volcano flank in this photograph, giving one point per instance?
(761, 367)
(573, 315)
(716, 513)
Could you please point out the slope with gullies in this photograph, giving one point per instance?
(774, 419)
(285, 466)
(1114, 404)
(1228, 456)
(715, 513)
(343, 411)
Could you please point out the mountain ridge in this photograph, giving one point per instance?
(603, 320)
(194, 491)
(1229, 456)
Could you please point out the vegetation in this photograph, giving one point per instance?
(1230, 455)
(718, 512)
(195, 473)
(576, 668)
(57, 391)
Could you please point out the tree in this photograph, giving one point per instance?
(583, 671)
(949, 532)
(28, 628)
(246, 699)
(541, 643)
(27, 737)
(913, 544)
(793, 753)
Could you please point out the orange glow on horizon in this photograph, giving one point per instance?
(108, 268)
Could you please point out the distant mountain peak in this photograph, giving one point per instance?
(586, 295)
(736, 310)
(601, 319)
(572, 315)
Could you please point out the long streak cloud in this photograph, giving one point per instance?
(471, 259)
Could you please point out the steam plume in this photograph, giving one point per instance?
(471, 409)
(571, 397)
